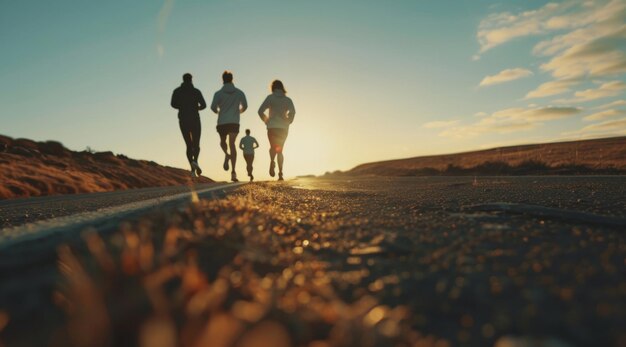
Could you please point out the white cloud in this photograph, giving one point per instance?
(605, 114)
(612, 104)
(618, 124)
(605, 90)
(439, 124)
(607, 128)
(505, 76)
(586, 40)
(537, 113)
(164, 14)
(601, 56)
(162, 18)
(511, 120)
(499, 28)
(551, 88)
(598, 19)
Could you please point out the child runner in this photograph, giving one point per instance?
(247, 145)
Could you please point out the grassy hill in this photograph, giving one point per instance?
(598, 156)
(29, 168)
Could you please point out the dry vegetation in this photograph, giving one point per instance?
(29, 168)
(602, 156)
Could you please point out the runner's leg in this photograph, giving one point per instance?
(271, 137)
(185, 130)
(224, 147)
(232, 137)
(196, 131)
(251, 162)
(249, 159)
(281, 159)
(223, 144)
(272, 153)
(280, 143)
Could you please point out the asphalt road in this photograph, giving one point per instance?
(16, 212)
(36, 226)
(445, 261)
(481, 260)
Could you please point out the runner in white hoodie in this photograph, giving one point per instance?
(229, 102)
(281, 115)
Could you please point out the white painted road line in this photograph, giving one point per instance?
(44, 228)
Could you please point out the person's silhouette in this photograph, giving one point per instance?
(188, 101)
(281, 115)
(229, 102)
(247, 145)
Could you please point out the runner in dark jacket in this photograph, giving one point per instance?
(189, 101)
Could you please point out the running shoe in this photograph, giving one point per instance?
(280, 176)
(226, 160)
(193, 173)
(251, 178)
(196, 167)
(233, 177)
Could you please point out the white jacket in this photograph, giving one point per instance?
(229, 102)
(282, 111)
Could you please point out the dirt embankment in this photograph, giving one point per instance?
(598, 156)
(29, 168)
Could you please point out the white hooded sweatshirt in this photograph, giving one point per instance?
(282, 111)
(229, 102)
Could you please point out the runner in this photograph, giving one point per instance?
(188, 101)
(281, 115)
(229, 102)
(247, 145)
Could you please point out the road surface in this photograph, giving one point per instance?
(440, 261)
(16, 212)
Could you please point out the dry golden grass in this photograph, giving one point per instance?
(29, 168)
(595, 154)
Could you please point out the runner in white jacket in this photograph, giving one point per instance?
(229, 102)
(281, 115)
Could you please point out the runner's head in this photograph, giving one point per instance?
(187, 78)
(227, 77)
(247, 131)
(278, 85)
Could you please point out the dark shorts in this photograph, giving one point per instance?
(225, 129)
(189, 122)
(277, 137)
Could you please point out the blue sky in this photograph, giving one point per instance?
(371, 80)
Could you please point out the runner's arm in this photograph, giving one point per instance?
(264, 106)
(256, 144)
(214, 103)
(174, 101)
(241, 143)
(201, 102)
(244, 103)
(292, 111)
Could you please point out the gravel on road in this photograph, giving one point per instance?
(350, 262)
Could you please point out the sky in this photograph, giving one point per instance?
(370, 80)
